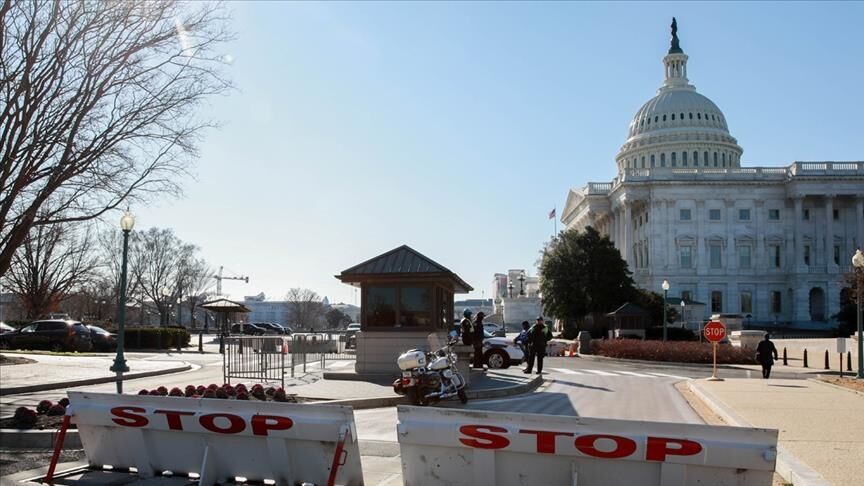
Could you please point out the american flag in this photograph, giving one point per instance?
(552, 214)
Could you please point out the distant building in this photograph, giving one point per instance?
(349, 310)
(264, 310)
(516, 297)
(475, 305)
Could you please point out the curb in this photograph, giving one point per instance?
(32, 476)
(673, 364)
(787, 466)
(832, 385)
(38, 439)
(90, 381)
(390, 401)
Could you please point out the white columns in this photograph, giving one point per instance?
(829, 237)
(628, 233)
(799, 233)
(698, 260)
(859, 218)
(759, 250)
(730, 262)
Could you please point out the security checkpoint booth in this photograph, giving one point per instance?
(406, 303)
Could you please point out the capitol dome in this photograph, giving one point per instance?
(678, 127)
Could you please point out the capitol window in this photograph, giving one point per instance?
(673, 116)
(691, 115)
(715, 159)
(746, 303)
(664, 117)
(716, 301)
(695, 158)
(835, 214)
(744, 214)
(684, 215)
(673, 159)
(705, 159)
(836, 254)
(806, 214)
(682, 116)
(662, 160)
(684, 158)
(807, 255)
(714, 214)
(776, 301)
(774, 251)
(652, 160)
(715, 253)
(774, 214)
(744, 256)
(699, 116)
(686, 257)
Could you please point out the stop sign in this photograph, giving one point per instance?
(715, 331)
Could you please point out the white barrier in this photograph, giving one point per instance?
(219, 439)
(460, 447)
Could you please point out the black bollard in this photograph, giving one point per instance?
(200, 341)
(827, 367)
(848, 360)
(785, 362)
(805, 357)
(179, 342)
(221, 343)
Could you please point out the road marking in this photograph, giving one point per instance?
(641, 375)
(566, 371)
(672, 376)
(601, 373)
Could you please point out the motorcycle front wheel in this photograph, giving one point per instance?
(463, 397)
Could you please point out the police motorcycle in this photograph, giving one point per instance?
(430, 377)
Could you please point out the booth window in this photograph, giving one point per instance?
(381, 306)
(415, 306)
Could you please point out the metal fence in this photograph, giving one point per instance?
(260, 358)
(319, 348)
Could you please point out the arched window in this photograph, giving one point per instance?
(649, 120)
(652, 160)
(712, 117)
(691, 115)
(656, 118)
(664, 117)
(705, 159)
(643, 161)
(715, 159)
(674, 159)
(663, 160)
(673, 116)
(724, 159)
(695, 159)
(682, 116)
(684, 159)
(699, 116)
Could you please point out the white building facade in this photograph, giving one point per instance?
(768, 242)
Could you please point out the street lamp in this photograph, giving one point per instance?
(665, 286)
(510, 288)
(858, 263)
(683, 315)
(127, 222)
(522, 284)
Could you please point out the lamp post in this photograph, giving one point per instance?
(683, 316)
(510, 288)
(665, 286)
(858, 263)
(127, 222)
(522, 284)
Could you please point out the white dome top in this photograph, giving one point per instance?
(678, 127)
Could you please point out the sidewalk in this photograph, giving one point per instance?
(56, 372)
(820, 425)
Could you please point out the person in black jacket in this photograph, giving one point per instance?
(764, 353)
(466, 328)
(477, 340)
(538, 336)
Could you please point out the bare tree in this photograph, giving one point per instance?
(50, 263)
(98, 105)
(305, 308)
(196, 280)
(156, 257)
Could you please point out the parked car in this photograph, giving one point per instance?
(351, 335)
(272, 328)
(494, 329)
(498, 352)
(249, 329)
(53, 334)
(102, 340)
(4, 328)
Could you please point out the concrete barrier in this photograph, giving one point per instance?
(460, 447)
(219, 439)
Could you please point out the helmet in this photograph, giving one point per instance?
(467, 313)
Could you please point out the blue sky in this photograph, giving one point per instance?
(456, 127)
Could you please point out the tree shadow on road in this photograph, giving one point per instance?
(582, 385)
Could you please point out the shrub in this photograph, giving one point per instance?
(44, 406)
(175, 392)
(221, 393)
(144, 391)
(56, 410)
(20, 411)
(209, 394)
(162, 391)
(672, 334)
(28, 417)
(678, 352)
(242, 396)
(156, 337)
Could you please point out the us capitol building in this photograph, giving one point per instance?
(769, 242)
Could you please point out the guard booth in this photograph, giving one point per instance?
(629, 320)
(226, 313)
(406, 303)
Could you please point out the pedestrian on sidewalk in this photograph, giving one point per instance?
(522, 339)
(477, 340)
(766, 354)
(538, 336)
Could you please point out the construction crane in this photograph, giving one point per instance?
(219, 278)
